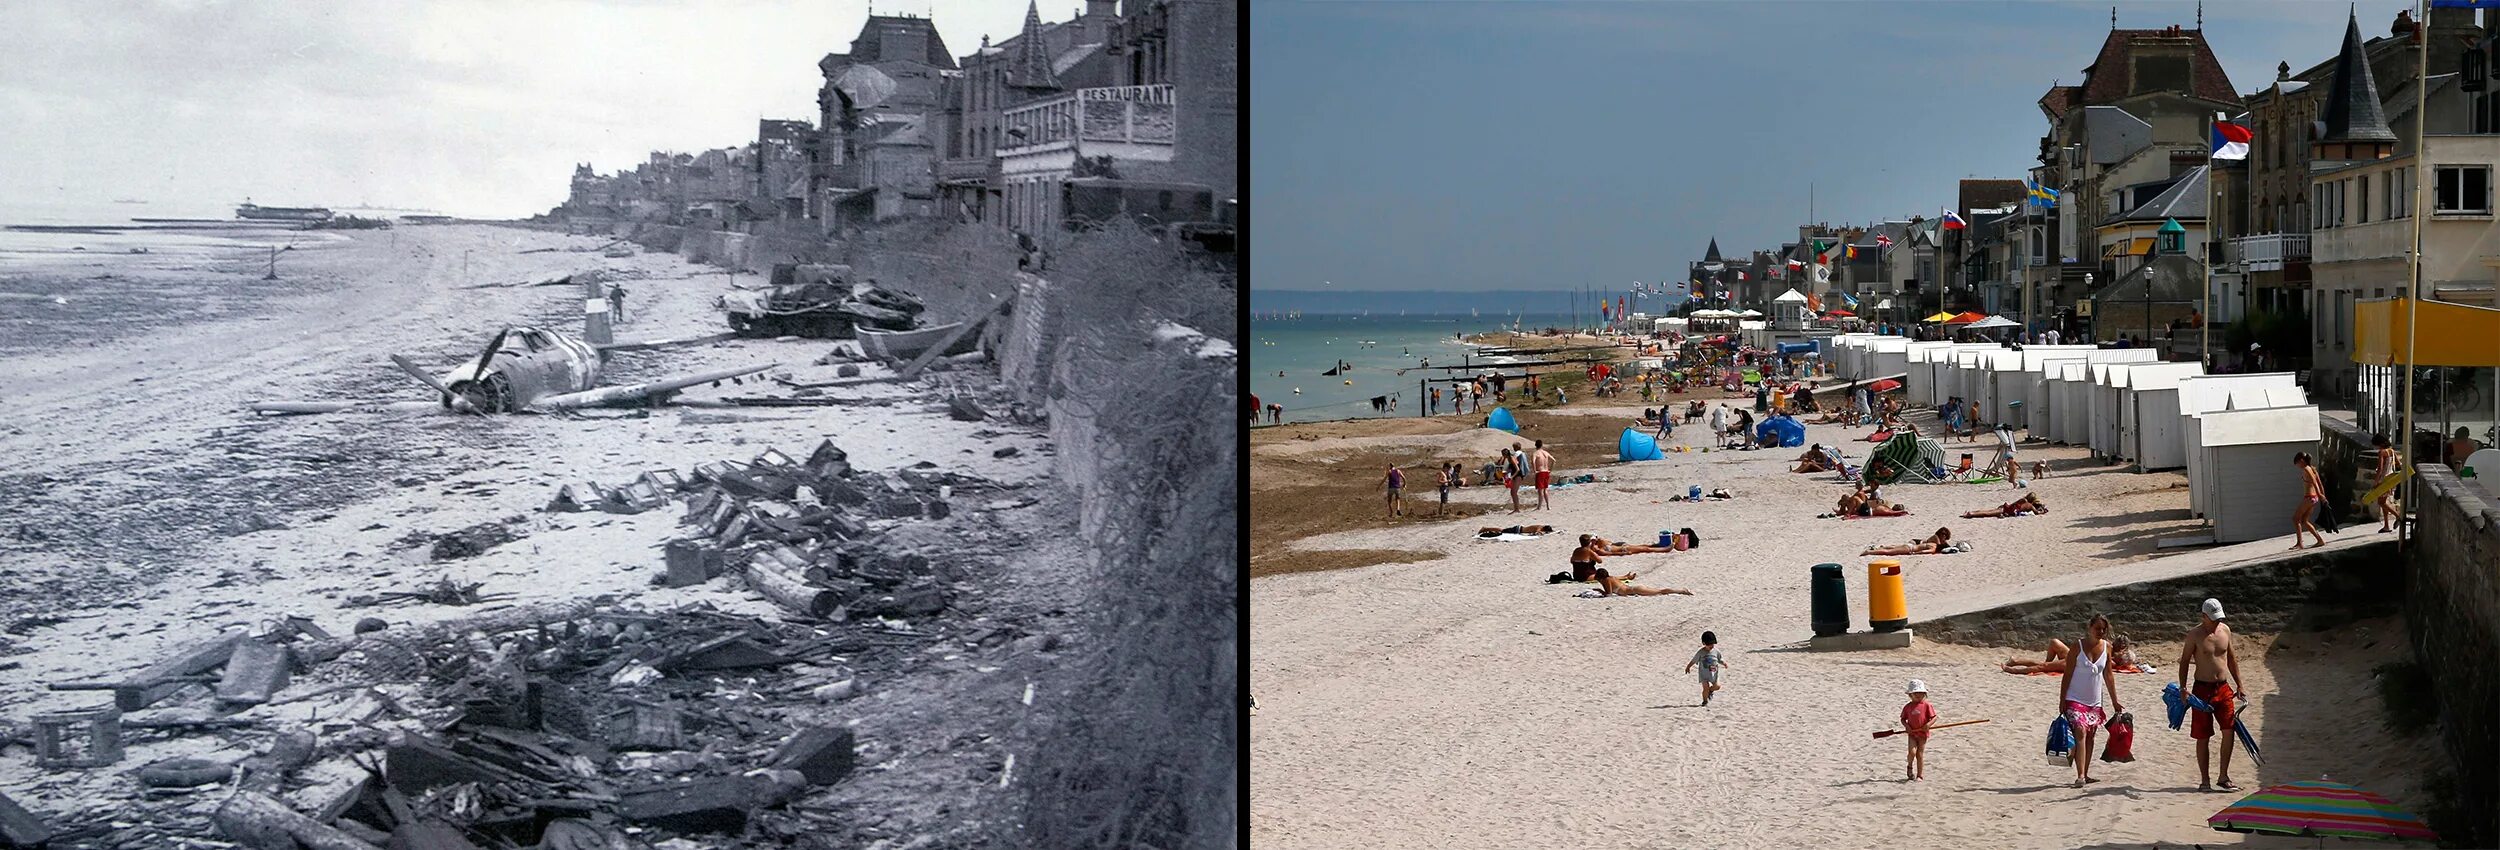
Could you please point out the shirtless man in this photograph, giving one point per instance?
(2210, 656)
(1543, 464)
(1610, 586)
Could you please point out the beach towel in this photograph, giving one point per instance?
(2179, 702)
(1508, 538)
(2121, 746)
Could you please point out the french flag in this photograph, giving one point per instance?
(2230, 140)
(1952, 221)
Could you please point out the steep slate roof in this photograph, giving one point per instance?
(2060, 100)
(2184, 199)
(1989, 194)
(2173, 277)
(2107, 79)
(1712, 255)
(2352, 112)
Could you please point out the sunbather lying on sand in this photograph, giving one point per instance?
(2027, 505)
(1611, 549)
(1489, 531)
(2059, 655)
(1939, 543)
(1608, 585)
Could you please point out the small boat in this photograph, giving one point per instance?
(905, 345)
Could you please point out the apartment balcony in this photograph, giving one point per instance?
(1126, 123)
(2269, 252)
(965, 169)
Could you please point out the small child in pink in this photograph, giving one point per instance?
(1916, 717)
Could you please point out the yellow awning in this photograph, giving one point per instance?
(2445, 335)
(1937, 317)
(2136, 247)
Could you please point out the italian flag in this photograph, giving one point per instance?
(1825, 252)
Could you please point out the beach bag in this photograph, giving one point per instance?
(2061, 741)
(1678, 543)
(2121, 746)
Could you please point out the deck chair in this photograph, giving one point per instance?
(2002, 465)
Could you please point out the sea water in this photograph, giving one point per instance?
(1384, 354)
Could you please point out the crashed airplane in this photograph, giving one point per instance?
(530, 370)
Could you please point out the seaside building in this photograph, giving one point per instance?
(872, 159)
(1156, 146)
(781, 166)
(2365, 166)
(1043, 60)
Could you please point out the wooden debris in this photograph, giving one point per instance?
(21, 828)
(157, 681)
(262, 822)
(254, 674)
(823, 754)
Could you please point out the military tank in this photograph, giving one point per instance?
(817, 301)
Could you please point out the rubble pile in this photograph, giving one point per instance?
(563, 725)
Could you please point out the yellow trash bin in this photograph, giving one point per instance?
(1887, 607)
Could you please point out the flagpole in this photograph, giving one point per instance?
(2213, 236)
(2413, 297)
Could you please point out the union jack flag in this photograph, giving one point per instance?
(1882, 242)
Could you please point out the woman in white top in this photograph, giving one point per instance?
(2089, 682)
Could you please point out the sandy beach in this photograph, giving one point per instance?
(146, 510)
(1457, 700)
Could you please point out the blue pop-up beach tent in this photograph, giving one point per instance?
(1791, 432)
(1500, 418)
(1638, 446)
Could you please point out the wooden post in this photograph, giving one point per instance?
(911, 371)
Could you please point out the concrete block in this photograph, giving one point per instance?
(1857, 641)
(823, 754)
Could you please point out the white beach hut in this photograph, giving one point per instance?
(2203, 394)
(2252, 488)
(2108, 392)
(1885, 356)
(1919, 359)
(2152, 432)
(2030, 387)
(2074, 402)
(1992, 379)
(2046, 401)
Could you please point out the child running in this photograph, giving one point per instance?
(1710, 662)
(1916, 717)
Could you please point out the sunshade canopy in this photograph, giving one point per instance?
(1965, 317)
(1995, 322)
(1939, 317)
(2445, 335)
(2321, 808)
(1838, 313)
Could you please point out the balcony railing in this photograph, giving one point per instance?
(1137, 115)
(2268, 252)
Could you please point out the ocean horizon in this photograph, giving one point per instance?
(1289, 355)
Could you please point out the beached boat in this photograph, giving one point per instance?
(254, 211)
(905, 345)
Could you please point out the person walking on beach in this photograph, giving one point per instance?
(1916, 717)
(2386, 467)
(1436, 401)
(1254, 408)
(1718, 421)
(1448, 479)
(1514, 467)
(1711, 662)
(1275, 413)
(2089, 683)
(1396, 481)
(2209, 655)
(1543, 464)
(2312, 501)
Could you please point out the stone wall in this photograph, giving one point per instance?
(2297, 593)
(2453, 613)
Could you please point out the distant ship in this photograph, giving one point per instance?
(249, 210)
(128, 201)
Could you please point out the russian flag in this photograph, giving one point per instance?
(1952, 221)
(2230, 140)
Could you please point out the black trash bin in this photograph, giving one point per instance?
(1830, 592)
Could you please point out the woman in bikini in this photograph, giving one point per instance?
(1612, 549)
(2312, 502)
(2029, 504)
(1814, 461)
(1939, 543)
(2386, 467)
(1610, 586)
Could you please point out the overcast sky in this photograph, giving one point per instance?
(472, 107)
(1498, 145)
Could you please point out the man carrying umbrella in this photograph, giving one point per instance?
(2208, 654)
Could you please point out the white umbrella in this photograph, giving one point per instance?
(1993, 322)
(1750, 313)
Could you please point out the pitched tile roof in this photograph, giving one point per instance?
(2060, 100)
(2108, 78)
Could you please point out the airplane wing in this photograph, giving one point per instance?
(655, 391)
(644, 345)
(292, 408)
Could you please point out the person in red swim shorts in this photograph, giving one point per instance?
(2209, 655)
(1543, 462)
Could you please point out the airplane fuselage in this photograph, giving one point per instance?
(530, 364)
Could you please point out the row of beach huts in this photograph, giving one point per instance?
(2234, 435)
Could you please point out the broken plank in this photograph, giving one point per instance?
(255, 673)
(258, 820)
(21, 828)
(152, 684)
(790, 589)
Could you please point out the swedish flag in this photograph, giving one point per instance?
(2041, 196)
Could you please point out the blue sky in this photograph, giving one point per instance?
(1532, 145)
